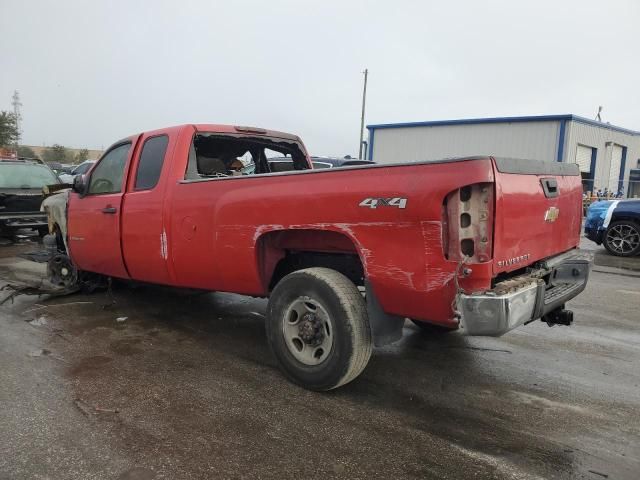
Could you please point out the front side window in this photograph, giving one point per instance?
(151, 160)
(107, 176)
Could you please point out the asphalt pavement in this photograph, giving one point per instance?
(157, 383)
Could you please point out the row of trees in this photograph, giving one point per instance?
(9, 136)
(9, 133)
(56, 153)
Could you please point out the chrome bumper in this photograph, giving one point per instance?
(523, 299)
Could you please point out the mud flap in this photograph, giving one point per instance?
(385, 328)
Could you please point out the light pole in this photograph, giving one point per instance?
(364, 101)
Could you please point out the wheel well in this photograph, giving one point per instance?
(57, 231)
(625, 218)
(285, 251)
(347, 264)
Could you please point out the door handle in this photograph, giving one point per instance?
(110, 210)
(550, 187)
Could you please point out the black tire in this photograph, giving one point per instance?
(346, 310)
(431, 329)
(622, 238)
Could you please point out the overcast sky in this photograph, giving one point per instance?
(90, 73)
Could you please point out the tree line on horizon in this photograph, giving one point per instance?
(10, 135)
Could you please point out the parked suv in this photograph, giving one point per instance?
(21, 182)
(616, 225)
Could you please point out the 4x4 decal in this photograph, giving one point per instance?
(398, 202)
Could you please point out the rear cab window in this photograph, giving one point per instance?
(220, 155)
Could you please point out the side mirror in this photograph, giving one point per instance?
(80, 185)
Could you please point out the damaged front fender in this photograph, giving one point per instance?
(55, 206)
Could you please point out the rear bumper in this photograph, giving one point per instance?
(594, 234)
(522, 299)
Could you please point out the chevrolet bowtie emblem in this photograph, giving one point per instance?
(551, 215)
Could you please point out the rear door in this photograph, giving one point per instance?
(144, 236)
(94, 220)
(538, 211)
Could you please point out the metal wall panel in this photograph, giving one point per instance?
(614, 167)
(583, 157)
(537, 140)
(531, 140)
(605, 141)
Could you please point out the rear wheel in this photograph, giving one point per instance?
(622, 238)
(318, 329)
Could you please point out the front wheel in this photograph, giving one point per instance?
(623, 238)
(318, 329)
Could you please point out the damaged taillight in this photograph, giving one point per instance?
(468, 223)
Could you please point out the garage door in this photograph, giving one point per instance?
(583, 158)
(614, 171)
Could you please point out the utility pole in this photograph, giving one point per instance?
(364, 101)
(15, 101)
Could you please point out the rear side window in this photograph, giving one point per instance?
(151, 160)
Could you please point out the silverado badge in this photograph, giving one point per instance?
(551, 215)
(513, 261)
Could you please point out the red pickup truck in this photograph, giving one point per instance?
(345, 255)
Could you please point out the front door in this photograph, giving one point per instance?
(94, 220)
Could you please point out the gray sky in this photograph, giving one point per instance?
(90, 73)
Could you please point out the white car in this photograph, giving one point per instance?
(79, 170)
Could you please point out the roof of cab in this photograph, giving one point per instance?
(215, 128)
(243, 130)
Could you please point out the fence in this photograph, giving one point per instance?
(626, 189)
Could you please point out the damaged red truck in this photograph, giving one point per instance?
(344, 255)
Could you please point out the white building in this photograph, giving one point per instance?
(605, 153)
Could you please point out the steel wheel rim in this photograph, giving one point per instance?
(623, 238)
(308, 331)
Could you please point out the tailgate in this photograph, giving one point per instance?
(538, 211)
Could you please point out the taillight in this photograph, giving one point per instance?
(468, 223)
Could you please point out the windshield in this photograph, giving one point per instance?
(25, 175)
